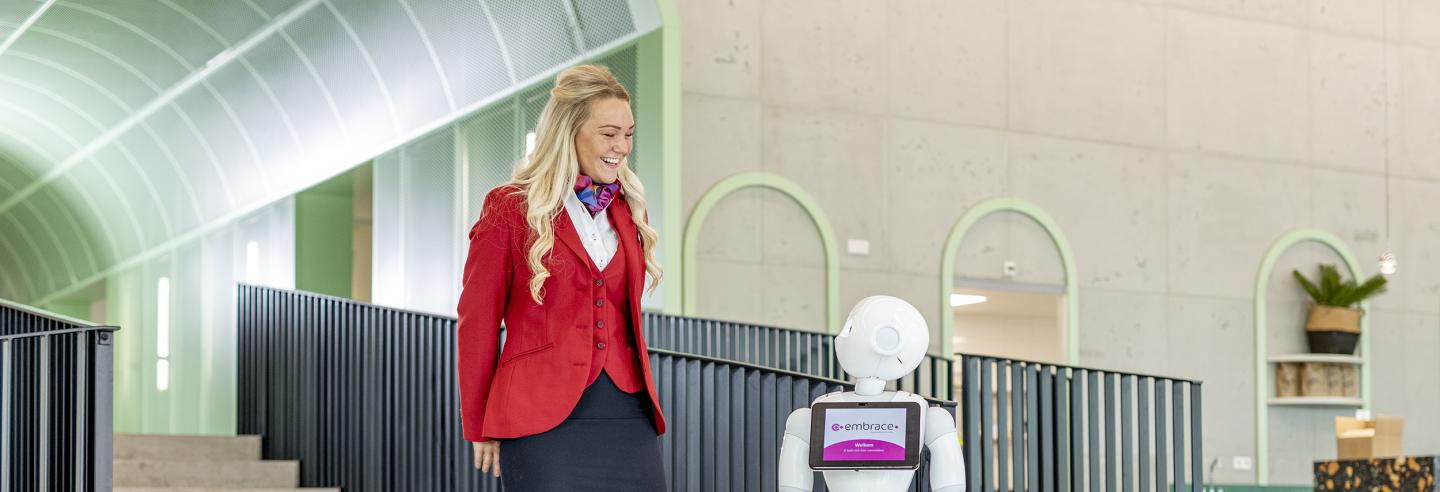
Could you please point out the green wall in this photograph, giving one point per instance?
(73, 308)
(324, 229)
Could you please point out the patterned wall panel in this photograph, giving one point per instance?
(170, 117)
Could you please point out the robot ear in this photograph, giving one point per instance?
(887, 340)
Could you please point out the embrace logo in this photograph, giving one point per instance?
(865, 426)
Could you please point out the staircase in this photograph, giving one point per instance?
(146, 463)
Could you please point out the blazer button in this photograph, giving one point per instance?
(599, 303)
(599, 282)
(600, 346)
(600, 324)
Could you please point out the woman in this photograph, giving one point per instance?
(560, 254)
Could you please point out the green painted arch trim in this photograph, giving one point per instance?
(741, 181)
(1262, 371)
(1067, 260)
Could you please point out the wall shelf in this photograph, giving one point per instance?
(1330, 358)
(1315, 401)
(1318, 401)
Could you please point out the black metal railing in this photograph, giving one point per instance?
(56, 399)
(1036, 426)
(805, 352)
(366, 398)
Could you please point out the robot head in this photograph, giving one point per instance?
(884, 337)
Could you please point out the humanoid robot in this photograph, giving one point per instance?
(868, 440)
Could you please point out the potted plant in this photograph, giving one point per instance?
(1334, 325)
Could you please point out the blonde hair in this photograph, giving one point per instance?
(549, 172)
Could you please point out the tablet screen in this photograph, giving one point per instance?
(865, 435)
(873, 434)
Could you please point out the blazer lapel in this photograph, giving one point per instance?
(634, 258)
(566, 232)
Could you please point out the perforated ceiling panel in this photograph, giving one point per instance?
(129, 126)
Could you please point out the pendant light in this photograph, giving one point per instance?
(1387, 259)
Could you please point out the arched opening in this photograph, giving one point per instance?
(1280, 303)
(1008, 269)
(753, 219)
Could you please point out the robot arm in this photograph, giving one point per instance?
(795, 473)
(947, 463)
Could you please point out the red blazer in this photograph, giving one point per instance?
(537, 381)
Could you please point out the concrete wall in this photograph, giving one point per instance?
(1173, 142)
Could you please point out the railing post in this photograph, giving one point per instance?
(1176, 395)
(7, 369)
(43, 463)
(1142, 421)
(103, 403)
(1195, 452)
(1127, 423)
(1109, 430)
(1160, 482)
(987, 481)
(971, 412)
(1064, 426)
(82, 413)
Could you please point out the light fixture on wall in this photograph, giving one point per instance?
(957, 300)
(162, 334)
(1387, 259)
(162, 375)
(252, 263)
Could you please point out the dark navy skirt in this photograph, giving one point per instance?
(607, 443)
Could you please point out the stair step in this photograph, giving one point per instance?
(146, 447)
(207, 474)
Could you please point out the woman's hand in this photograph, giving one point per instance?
(487, 454)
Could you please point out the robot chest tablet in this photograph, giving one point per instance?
(865, 436)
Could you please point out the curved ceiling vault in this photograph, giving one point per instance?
(126, 125)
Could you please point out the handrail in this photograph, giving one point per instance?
(35, 334)
(1074, 367)
(783, 372)
(770, 327)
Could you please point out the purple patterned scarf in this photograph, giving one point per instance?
(596, 198)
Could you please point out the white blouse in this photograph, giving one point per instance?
(599, 238)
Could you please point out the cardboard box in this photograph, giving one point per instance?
(1357, 439)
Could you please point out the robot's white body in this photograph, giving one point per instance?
(883, 339)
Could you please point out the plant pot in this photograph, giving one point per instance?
(1333, 330)
(1332, 318)
(1333, 342)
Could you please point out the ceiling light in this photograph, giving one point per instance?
(957, 300)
